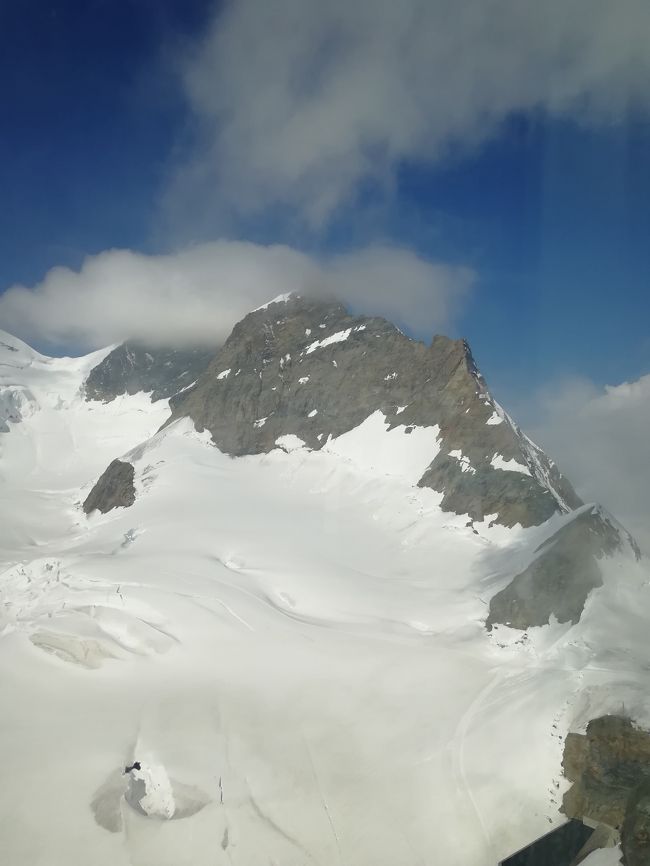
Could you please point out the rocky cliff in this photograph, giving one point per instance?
(311, 369)
(133, 367)
(635, 833)
(610, 770)
(114, 489)
(562, 574)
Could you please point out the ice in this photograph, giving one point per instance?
(224, 374)
(312, 413)
(338, 337)
(289, 442)
(494, 419)
(465, 464)
(280, 299)
(499, 462)
(303, 380)
(186, 388)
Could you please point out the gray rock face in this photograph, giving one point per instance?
(132, 367)
(635, 833)
(309, 368)
(559, 580)
(114, 489)
(610, 770)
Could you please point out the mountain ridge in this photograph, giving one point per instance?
(291, 644)
(310, 373)
(312, 370)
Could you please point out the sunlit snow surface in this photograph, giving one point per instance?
(291, 645)
(499, 462)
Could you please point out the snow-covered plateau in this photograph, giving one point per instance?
(287, 649)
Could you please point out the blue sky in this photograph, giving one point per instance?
(89, 117)
(549, 208)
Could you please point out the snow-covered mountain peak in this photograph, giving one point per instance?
(279, 299)
(312, 600)
(308, 368)
(14, 352)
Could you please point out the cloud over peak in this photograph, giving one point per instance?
(197, 295)
(600, 438)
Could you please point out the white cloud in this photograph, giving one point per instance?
(599, 437)
(301, 100)
(199, 293)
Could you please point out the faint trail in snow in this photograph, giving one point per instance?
(268, 820)
(322, 797)
(194, 597)
(458, 745)
(227, 608)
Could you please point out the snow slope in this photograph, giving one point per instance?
(290, 645)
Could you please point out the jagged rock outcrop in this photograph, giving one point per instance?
(560, 578)
(311, 369)
(114, 488)
(607, 766)
(133, 367)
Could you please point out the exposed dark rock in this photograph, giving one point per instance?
(285, 361)
(515, 497)
(133, 367)
(607, 765)
(574, 759)
(114, 488)
(561, 577)
(635, 833)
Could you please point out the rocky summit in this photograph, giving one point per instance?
(300, 370)
(311, 369)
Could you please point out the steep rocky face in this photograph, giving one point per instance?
(311, 369)
(635, 833)
(561, 577)
(133, 367)
(607, 765)
(114, 488)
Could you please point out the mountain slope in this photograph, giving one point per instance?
(290, 644)
(132, 367)
(308, 368)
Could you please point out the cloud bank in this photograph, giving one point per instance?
(599, 437)
(300, 101)
(198, 294)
